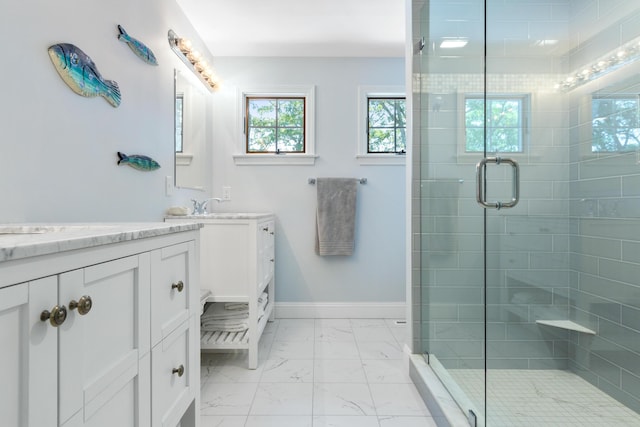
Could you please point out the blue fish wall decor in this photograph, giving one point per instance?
(142, 163)
(80, 73)
(139, 48)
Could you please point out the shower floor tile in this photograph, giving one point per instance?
(550, 398)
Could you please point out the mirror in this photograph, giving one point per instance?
(191, 132)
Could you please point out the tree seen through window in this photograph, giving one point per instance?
(615, 124)
(387, 122)
(504, 126)
(275, 125)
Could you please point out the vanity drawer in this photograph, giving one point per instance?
(173, 288)
(173, 368)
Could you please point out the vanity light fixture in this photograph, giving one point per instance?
(193, 59)
(626, 54)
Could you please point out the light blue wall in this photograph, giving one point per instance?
(58, 155)
(375, 272)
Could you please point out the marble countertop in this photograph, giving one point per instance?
(222, 215)
(27, 240)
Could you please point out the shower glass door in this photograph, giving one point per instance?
(529, 208)
(452, 224)
(561, 99)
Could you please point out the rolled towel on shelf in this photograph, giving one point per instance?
(236, 306)
(263, 298)
(219, 317)
(225, 326)
(216, 311)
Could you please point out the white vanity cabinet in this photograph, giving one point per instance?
(95, 367)
(175, 309)
(100, 377)
(237, 253)
(28, 355)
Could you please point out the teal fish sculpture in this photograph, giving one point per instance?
(80, 73)
(139, 48)
(142, 163)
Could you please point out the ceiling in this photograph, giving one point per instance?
(360, 28)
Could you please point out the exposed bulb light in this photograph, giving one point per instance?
(623, 55)
(185, 45)
(192, 59)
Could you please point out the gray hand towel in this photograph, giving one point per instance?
(336, 216)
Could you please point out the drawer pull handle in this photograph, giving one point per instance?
(265, 229)
(179, 370)
(83, 306)
(179, 286)
(56, 316)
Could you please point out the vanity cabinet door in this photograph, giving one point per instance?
(228, 253)
(103, 344)
(28, 355)
(174, 288)
(175, 371)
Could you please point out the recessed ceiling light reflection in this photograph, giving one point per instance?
(547, 42)
(453, 43)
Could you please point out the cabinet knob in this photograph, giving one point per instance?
(272, 233)
(179, 286)
(56, 316)
(272, 260)
(83, 306)
(265, 229)
(179, 370)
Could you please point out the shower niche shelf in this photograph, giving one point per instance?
(566, 324)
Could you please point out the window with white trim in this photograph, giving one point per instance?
(277, 126)
(382, 125)
(386, 125)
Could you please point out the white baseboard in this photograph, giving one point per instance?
(340, 310)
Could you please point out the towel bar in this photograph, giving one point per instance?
(312, 181)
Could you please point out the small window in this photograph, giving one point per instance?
(275, 125)
(505, 127)
(386, 125)
(179, 120)
(615, 124)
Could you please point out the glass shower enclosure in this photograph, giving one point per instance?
(526, 209)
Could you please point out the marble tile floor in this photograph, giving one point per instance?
(315, 373)
(550, 398)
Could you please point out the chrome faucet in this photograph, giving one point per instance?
(200, 208)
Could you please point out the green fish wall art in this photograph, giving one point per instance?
(139, 48)
(142, 163)
(80, 73)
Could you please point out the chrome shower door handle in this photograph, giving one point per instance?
(481, 196)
